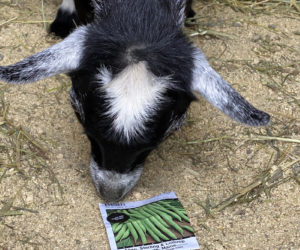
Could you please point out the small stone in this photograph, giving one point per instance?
(240, 212)
(237, 24)
(271, 26)
(137, 195)
(256, 38)
(256, 60)
(60, 156)
(278, 174)
(268, 38)
(29, 199)
(81, 166)
(296, 169)
(40, 131)
(1, 57)
(71, 120)
(297, 33)
(218, 246)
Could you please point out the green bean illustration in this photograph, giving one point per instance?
(142, 226)
(180, 212)
(157, 220)
(161, 208)
(116, 227)
(164, 229)
(143, 212)
(156, 216)
(140, 231)
(134, 213)
(153, 235)
(168, 219)
(126, 234)
(133, 232)
(121, 232)
(153, 228)
(188, 228)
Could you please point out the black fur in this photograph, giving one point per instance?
(189, 12)
(64, 23)
(118, 34)
(84, 10)
(167, 52)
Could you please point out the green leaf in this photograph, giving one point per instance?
(125, 243)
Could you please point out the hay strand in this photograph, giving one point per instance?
(254, 138)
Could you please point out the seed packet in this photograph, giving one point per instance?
(160, 222)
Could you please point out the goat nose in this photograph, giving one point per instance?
(111, 195)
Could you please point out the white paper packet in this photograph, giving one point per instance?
(156, 223)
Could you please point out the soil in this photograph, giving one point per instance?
(57, 200)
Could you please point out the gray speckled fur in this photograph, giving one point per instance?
(76, 104)
(208, 83)
(111, 185)
(60, 58)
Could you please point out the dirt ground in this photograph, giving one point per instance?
(47, 199)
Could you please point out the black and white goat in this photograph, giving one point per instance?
(73, 13)
(133, 76)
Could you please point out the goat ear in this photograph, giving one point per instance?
(218, 92)
(60, 58)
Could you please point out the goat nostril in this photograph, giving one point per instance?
(110, 195)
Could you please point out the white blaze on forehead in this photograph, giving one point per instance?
(134, 96)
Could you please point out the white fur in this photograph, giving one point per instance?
(181, 16)
(68, 5)
(218, 92)
(104, 75)
(209, 83)
(66, 55)
(133, 97)
(62, 57)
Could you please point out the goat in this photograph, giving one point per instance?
(72, 13)
(133, 75)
